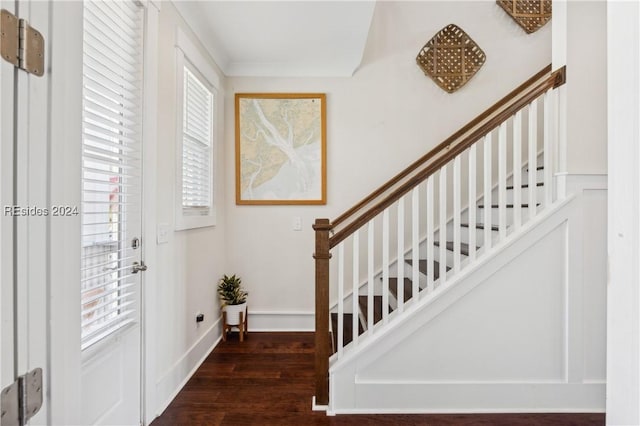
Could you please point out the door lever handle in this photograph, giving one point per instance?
(138, 266)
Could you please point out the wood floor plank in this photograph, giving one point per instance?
(267, 380)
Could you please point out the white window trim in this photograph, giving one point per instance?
(188, 53)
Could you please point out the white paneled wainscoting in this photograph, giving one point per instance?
(522, 331)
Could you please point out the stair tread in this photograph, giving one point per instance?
(526, 185)
(408, 288)
(422, 266)
(363, 301)
(509, 206)
(480, 226)
(464, 247)
(347, 329)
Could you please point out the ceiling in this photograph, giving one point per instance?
(282, 38)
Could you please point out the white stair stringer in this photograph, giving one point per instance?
(493, 338)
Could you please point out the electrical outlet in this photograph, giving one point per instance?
(297, 223)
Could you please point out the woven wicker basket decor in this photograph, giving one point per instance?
(531, 15)
(451, 58)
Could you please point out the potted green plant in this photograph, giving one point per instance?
(233, 298)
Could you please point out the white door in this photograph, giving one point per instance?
(111, 212)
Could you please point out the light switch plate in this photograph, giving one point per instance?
(297, 223)
(163, 233)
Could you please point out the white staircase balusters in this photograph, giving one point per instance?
(356, 287)
(385, 266)
(560, 143)
(415, 241)
(340, 339)
(502, 182)
(400, 257)
(548, 152)
(430, 234)
(488, 187)
(517, 171)
(442, 233)
(533, 157)
(457, 190)
(472, 203)
(370, 276)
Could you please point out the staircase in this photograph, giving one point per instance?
(424, 230)
(405, 292)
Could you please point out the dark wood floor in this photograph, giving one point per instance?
(268, 380)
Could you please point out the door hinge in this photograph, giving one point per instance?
(20, 44)
(22, 399)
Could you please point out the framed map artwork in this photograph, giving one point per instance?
(281, 148)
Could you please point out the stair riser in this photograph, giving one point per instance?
(464, 217)
(495, 215)
(524, 194)
(364, 288)
(449, 256)
(539, 176)
(464, 238)
(466, 232)
(408, 273)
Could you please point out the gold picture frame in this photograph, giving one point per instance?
(281, 148)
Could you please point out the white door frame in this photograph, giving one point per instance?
(7, 367)
(149, 224)
(24, 158)
(623, 291)
(65, 189)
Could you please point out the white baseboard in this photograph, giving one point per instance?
(470, 411)
(172, 381)
(459, 398)
(281, 321)
(316, 407)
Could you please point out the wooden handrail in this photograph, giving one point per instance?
(443, 145)
(447, 152)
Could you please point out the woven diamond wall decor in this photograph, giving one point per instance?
(531, 15)
(451, 58)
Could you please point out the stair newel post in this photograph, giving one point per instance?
(323, 351)
(560, 131)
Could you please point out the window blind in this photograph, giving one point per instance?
(197, 131)
(111, 168)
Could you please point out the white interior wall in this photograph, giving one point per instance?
(190, 263)
(580, 43)
(378, 121)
